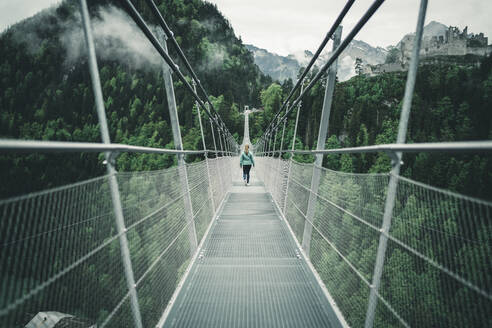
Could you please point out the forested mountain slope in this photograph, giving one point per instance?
(45, 90)
(451, 103)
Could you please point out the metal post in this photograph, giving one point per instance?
(277, 173)
(219, 169)
(229, 143)
(216, 155)
(178, 144)
(283, 133)
(213, 136)
(113, 182)
(323, 133)
(246, 125)
(265, 144)
(226, 145)
(272, 187)
(269, 142)
(280, 156)
(205, 148)
(395, 170)
(297, 120)
(284, 208)
(274, 142)
(220, 140)
(225, 140)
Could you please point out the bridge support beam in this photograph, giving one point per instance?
(113, 182)
(323, 132)
(178, 144)
(395, 170)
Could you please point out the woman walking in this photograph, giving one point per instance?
(245, 161)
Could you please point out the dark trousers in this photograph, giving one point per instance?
(246, 169)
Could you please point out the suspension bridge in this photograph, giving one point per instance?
(191, 246)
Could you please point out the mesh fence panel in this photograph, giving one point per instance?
(274, 173)
(200, 197)
(437, 271)
(221, 177)
(60, 252)
(60, 249)
(344, 238)
(298, 197)
(215, 180)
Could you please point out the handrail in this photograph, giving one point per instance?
(461, 146)
(67, 146)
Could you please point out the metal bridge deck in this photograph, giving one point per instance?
(249, 272)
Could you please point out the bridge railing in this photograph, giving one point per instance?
(391, 251)
(60, 248)
(112, 250)
(436, 271)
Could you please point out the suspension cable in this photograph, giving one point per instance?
(327, 38)
(180, 52)
(369, 13)
(137, 18)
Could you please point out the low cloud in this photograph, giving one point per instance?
(115, 34)
(215, 55)
(116, 37)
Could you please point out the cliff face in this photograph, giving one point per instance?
(278, 67)
(284, 67)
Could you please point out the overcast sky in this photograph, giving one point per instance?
(12, 11)
(287, 26)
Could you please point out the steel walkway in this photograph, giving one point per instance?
(249, 272)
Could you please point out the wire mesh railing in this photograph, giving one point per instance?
(437, 271)
(60, 249)
(111, 250)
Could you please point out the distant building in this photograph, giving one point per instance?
(435, 49)
(453, 43)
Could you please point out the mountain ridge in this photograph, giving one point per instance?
(284, 67)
